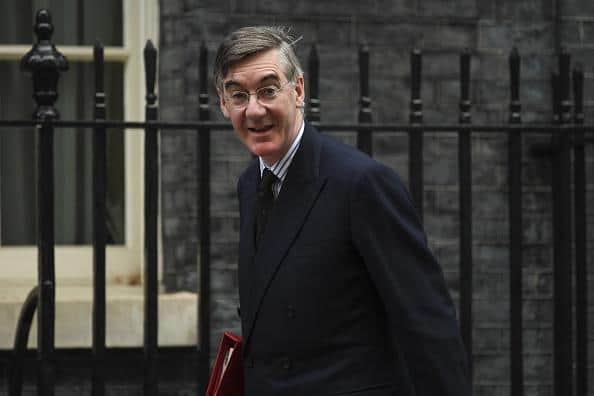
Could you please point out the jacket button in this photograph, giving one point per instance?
(290, 312)
(286, 363)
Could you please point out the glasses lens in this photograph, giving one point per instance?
(267, 94)
(239, 98)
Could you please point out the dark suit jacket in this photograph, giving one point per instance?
(342, 273)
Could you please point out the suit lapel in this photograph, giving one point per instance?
(298, 194)
(247, 248)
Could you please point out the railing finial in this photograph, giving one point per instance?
(43, 25)
(45, 63)
(150, 68)
(465, 103)
(364, 142)
(515, 107)
(313, 71)
(416, 103)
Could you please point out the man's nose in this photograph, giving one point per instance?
(254, 108)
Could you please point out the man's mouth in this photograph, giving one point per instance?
(261, 129)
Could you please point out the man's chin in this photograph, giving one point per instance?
(260, 150)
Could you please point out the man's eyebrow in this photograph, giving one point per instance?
(230, 83)
(268, 77)
(273, 77)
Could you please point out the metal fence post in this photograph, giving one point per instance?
(514, 141)
(313, 113)
(364, 142)
(562, 238)
(580, 226)
(415, 138)
(151, 199)
(45, 63)
(465, 183)
(203, 173)
(99, 228)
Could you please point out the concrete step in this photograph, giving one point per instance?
(124, 316)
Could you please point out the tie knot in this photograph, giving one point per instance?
(268, 179)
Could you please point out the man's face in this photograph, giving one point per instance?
(267, 129)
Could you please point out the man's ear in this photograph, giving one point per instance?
(300, 91)
(222, 104)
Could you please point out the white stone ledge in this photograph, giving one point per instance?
(124, 316)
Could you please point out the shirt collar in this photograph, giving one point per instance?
(281, 167)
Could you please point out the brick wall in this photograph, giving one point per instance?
(489, 28)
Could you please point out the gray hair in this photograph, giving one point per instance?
(251, 40)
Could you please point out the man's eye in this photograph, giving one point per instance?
(238, 95)
(267, 92)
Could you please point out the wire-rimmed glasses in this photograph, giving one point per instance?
(264, 95)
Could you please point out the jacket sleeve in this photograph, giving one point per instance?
(388, 234)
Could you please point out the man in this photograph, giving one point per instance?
(339, 293)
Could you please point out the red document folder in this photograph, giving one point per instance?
(226, 378)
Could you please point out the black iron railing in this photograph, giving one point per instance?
(45, 64)
(568, 134)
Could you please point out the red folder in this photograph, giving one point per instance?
(226, 378)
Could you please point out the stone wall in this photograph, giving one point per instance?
(489, 28)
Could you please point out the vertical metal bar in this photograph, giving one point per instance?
(465, 180)
(565, 86)
(364, 142)
(515, 107)
(415, 169)
(562, 246)
(581, 272)
(151, 199)
(45, 63)
(80, 137)
(99, 228)
(46, 266)
(555, 97)
(203, 173)
(515, 228)
(314, 100)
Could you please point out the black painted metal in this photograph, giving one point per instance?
(203, 173)
(313, 114)
(465, 102)
(515, 107)
(581, 272)
(555, 97)
(46, 265)
(151, 199)
(45, 63)
(514, 141)
(364, 142)
(465, 183)
(99, 228)
(563, 383)
(79, 138)
(15, 370)
(415, 138)
(565, 86)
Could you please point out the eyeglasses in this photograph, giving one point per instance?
(264, 95)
